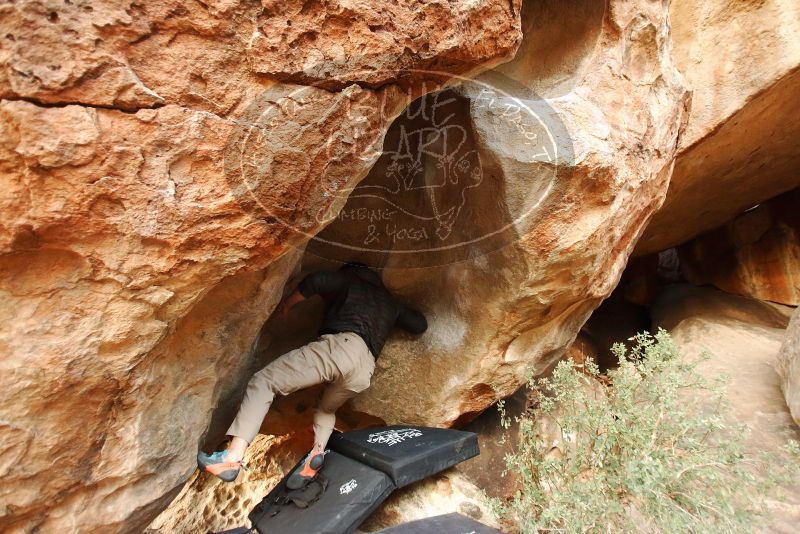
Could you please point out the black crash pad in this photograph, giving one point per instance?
(441, 524)
(406, 453)
(354, 491)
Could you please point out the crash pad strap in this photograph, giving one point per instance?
(453, 523)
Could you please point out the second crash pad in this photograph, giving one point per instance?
(442, 524)
(406, 453)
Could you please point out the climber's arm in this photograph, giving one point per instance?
(321, 282)
(316, 283)
(411, 320)
(289, 302)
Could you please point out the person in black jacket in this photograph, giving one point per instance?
(359, 316)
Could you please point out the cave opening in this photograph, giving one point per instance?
(430, 199)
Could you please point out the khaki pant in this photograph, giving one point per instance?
(342, 360)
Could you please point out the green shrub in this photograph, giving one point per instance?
(637, 452)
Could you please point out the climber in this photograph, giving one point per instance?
(359, 316)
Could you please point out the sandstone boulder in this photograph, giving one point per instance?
(488, 470)
(757, 254)
(743, 338)
(133, 283)
(444, 493)
(511, 235)
(207, 504)
(789, 366)
(156, 183)
(218, 55)
(742, 140)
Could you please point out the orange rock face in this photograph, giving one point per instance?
(756, 254)
(742, 139)
(565, 187)
(218, 55)
(788, 366)
(339, 42)
(161, 163)
(199, 505)
(157, 176)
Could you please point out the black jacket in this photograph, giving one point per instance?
(357, 301)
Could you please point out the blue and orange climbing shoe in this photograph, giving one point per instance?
(306, 472)
(217, 464)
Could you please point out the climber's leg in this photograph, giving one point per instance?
(301, 368)
(357, 365)
(333, 397)
(298, 369)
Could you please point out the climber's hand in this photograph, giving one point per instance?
(288, 303)
(282, 310)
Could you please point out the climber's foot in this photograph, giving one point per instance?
(217, 464)
(307, 471)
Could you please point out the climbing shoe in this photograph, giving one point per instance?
(216, 464)
(306, 471)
